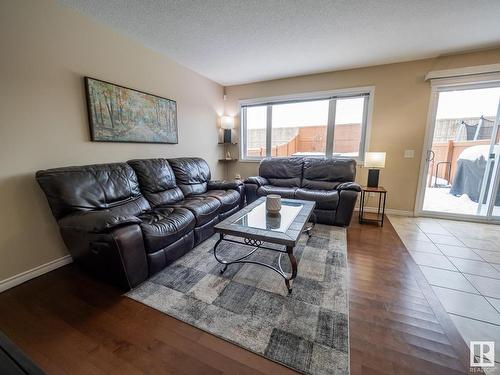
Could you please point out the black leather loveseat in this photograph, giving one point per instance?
(127, 221)
(327, 181)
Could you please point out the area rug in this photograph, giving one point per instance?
(249, 305)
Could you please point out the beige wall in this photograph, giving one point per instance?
(46, 49)
(399, 113)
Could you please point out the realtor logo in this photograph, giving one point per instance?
(482, 354)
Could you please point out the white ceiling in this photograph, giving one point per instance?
(240, 41)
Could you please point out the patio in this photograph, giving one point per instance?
(440, 200)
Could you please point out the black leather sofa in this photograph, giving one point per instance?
(126, 221)
(327, 181)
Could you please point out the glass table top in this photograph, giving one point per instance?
(260, 219)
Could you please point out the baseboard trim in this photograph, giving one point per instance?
(389, 211)
(34, 272)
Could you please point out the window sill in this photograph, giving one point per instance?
(250, 160)
(360, 163)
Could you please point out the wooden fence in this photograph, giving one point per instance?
(449, 152)
(309, 139)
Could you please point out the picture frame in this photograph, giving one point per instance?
(121, 114)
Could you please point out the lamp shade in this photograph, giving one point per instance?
(374, 160)
(227, 122)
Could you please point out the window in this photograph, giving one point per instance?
(331, 123)
(349, 124)
(299, 128)
(255, 131)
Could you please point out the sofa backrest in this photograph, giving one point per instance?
(327, 173)
(192, 175)
(92, 187)
(282, 171)
(157, 181)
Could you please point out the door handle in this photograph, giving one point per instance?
(430, 155)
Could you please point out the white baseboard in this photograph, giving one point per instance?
(389, 211)
(34, 272)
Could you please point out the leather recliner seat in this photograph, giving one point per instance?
(327, 181)
(184, 184)
(126, 221)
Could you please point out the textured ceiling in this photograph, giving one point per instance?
(239, 41)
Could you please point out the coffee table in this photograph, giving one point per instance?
(256, 227)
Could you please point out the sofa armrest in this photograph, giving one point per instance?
(354, 186)
(345, 209)
(257, 180)
(117, 256)
(237, 185)
(95, 221)
(224, 184)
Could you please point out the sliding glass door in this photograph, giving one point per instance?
(462, 169)
(490, 186)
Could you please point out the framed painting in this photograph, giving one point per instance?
(121, 114)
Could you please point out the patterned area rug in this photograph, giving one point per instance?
(249, 305)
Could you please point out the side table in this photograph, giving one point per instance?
(369, 217)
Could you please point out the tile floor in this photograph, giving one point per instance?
(461, 261)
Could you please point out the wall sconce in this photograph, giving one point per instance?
(374, 161)
(227, 123)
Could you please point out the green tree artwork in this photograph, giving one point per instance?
(120, 114)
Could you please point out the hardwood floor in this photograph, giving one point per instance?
(71, 324)
(397, 325)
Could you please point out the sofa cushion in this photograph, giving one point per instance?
(327, 173)
(157, 181)
(162, 258)
(192, 175)
(163, 226)
(284, 192)
(225, 184)
(204, 208)
(325, 199)
(92, 187)
(228, 198)
(283, 171)
(257, 180)
(95, 221)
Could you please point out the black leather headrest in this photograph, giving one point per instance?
(88, 187)
(281, 167)
(329, 169)
(154, 174)
(192, 174)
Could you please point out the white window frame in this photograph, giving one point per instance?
(451, 81)
(332, 96)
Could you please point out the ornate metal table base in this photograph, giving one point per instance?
(256, 244)
(309, 229)
(251, 227)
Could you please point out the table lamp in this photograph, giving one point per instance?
(374, 161)
(227, 123)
